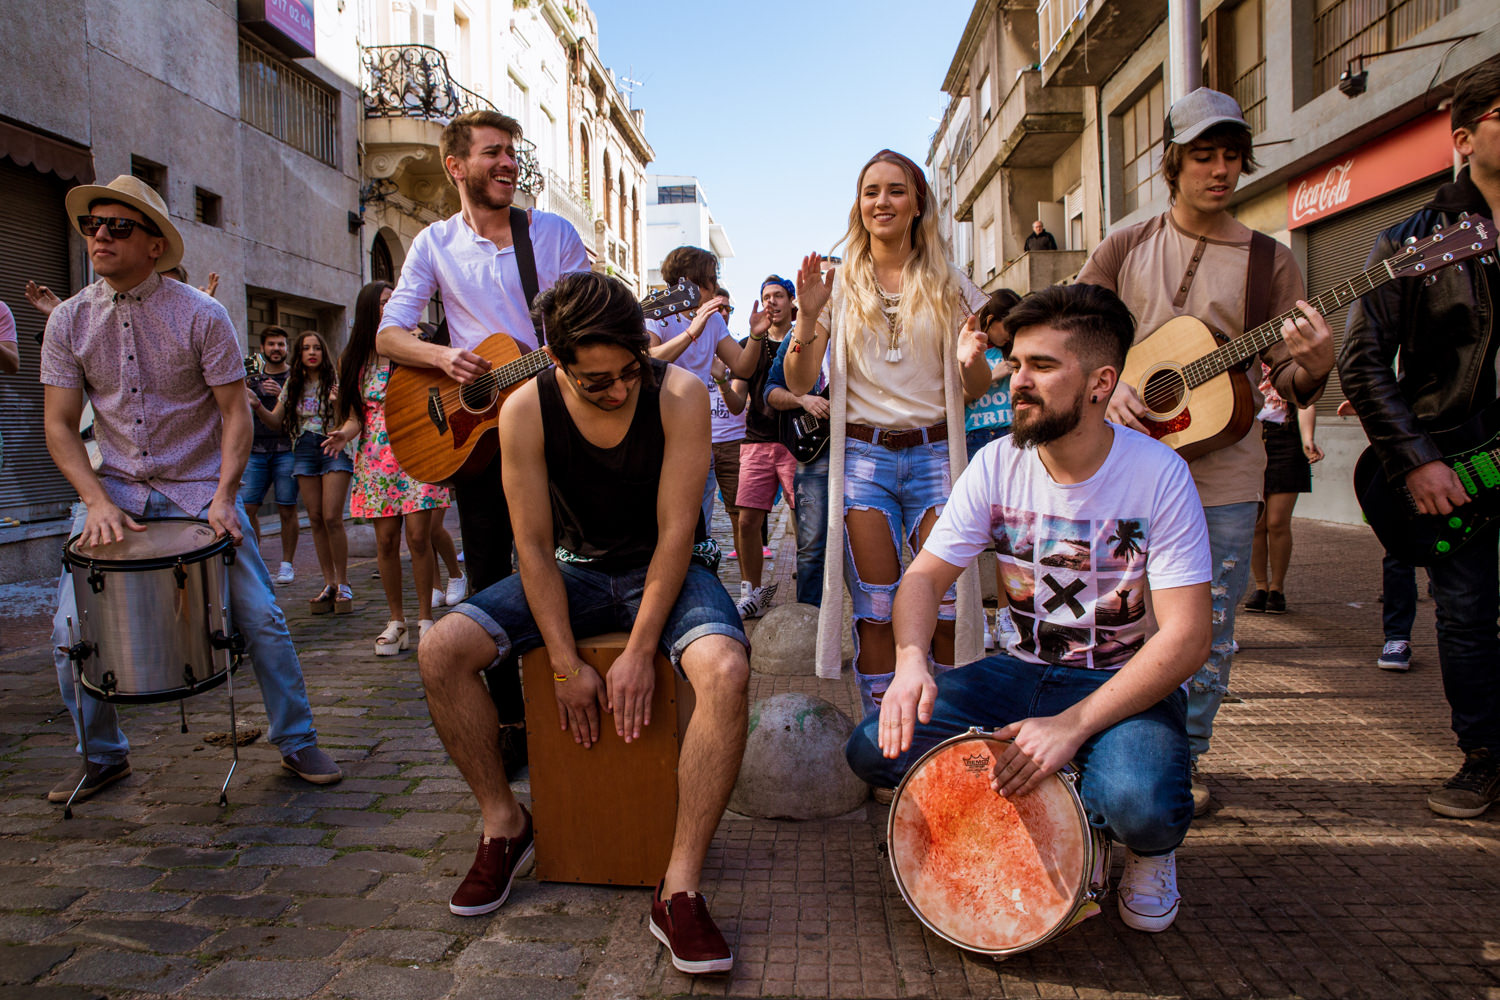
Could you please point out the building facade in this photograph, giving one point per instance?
(1066, 104)
(677, 214)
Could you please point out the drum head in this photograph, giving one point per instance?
(988, 873)
(165, 540)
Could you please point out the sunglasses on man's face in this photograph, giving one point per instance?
(627, 376)
(118, 229)
(1492, 113)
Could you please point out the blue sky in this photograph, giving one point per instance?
(775, 106)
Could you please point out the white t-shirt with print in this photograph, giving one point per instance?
(1079, 560)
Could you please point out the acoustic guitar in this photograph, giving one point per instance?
(444, 432)
(1204, 404)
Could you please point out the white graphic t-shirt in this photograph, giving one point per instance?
(1079, 560)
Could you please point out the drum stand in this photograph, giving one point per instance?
(79, 651)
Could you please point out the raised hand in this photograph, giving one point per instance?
(42, 298)
(972, 343)
(814, 288)
(760, 320)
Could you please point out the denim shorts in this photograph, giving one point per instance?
(981, 436)
(903, 485)
(312, 462)
(264, 468)
(607, 602)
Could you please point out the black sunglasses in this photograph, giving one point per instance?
(118, 229)
(627, 376)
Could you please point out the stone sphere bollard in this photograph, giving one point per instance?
(361, 539)
(785, 641)
(794, 766)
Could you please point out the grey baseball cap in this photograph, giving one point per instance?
(1193, 114)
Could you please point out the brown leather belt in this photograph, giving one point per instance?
(896, 440)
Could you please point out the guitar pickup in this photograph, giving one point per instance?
(435, 410)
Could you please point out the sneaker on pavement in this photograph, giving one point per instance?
(1148, 891)
(438, 598)
(1257, 601)
(989, 636)
(684, 926)
(458, 589)
(94, 776)
(757, 602)
(312, 764)
(1472, 790)
(286, 574)
(1201, 797)
(1005, 628)
(496, 864)
(1395, 655)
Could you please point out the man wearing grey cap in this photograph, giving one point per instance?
(1196, 259)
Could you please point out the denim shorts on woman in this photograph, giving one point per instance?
(903, 485)
(312, 462)
(607, 602)
(981, 436)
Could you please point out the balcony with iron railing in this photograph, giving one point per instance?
(1350, 28)
(412, 83)
(1083, 42)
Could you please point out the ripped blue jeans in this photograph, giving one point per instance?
(903, 485)
(1231, 531)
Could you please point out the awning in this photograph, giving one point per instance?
(48, 155)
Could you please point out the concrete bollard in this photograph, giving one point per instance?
(794, 766)
(785, 641)
(361, 540)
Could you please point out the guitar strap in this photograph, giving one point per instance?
(520, 234)
(1258, 280)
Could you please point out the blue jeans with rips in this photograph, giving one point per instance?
(811, 512)
(1231, 532)
(252, 606)
(1133, 774)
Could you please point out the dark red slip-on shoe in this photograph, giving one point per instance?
(689, 933)
(496, 864)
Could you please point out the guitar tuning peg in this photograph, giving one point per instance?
(1431, 279)
(1488, 258)
(1410, 240)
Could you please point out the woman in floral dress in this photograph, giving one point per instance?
(382, 492)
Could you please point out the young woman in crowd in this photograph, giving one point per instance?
(1290, 452)
(305, 410)
(987, 418)
(382, 492)
(898, 319)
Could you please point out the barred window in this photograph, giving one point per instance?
(1141, 132)
(284, 102)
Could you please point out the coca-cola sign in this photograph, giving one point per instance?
(1410, 153)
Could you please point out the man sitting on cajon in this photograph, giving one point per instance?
(604, 459)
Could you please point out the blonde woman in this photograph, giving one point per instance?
(898, 322)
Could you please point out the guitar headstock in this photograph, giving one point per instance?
(1457, 241)
(675, 299)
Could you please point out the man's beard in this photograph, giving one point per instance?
(276, 357)
(478, 187)
(1036, 427)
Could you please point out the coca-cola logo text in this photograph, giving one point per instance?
(1322, 195)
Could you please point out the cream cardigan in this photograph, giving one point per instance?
(968, 643)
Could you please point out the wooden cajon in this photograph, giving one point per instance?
(604, 815)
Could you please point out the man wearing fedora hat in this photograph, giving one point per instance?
(160, 362)
(1196, 259)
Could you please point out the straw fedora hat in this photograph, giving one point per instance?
(136, 193)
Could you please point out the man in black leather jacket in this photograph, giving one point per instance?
(1444, 327)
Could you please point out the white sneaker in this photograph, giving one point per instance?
(989, 637)
(756, 602)
(1148, 891)
(437, 598)
(286, 574)
(1006, 632)
(458, 589)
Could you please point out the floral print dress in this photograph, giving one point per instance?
(380, 488)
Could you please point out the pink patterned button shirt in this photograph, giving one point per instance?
(147, 359)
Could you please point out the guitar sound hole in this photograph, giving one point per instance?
(1164, 390)
(477, 396)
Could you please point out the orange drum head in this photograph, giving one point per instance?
(988, 873)
(163, 538)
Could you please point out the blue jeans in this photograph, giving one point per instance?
(310, 460)
(606, 602)
(265, 468)
(1231, 532)
(1398, 598)
(1134, 774)
(256, 617)
(811, 512)
(1464, 591)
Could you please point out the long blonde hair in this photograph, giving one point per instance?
(932, 304)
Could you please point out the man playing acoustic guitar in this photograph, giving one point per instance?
(1196, 259)
(474, 259)
(1443, 325)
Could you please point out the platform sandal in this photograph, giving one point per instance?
(343, 601)
(323, 603)
(393, 640)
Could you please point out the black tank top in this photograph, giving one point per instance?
(604, 499)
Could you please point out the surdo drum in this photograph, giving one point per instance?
(153, 619)
(991, 874)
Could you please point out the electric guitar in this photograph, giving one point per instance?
(805, 436)
(442, 432)
(1204, 404)
(1472, 450)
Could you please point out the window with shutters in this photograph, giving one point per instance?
(1140, 127)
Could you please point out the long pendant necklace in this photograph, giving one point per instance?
(891, 306)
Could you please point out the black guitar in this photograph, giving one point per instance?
(1472, 450)
(804, 435)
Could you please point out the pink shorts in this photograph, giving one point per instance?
(762, 464)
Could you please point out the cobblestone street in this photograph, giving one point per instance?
(1319, 873)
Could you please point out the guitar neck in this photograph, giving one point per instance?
(518, 370)
(1239, 350)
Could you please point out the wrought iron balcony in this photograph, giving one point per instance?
(413, 81)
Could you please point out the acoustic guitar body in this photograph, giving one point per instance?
(1193, 420)
(441, 431)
